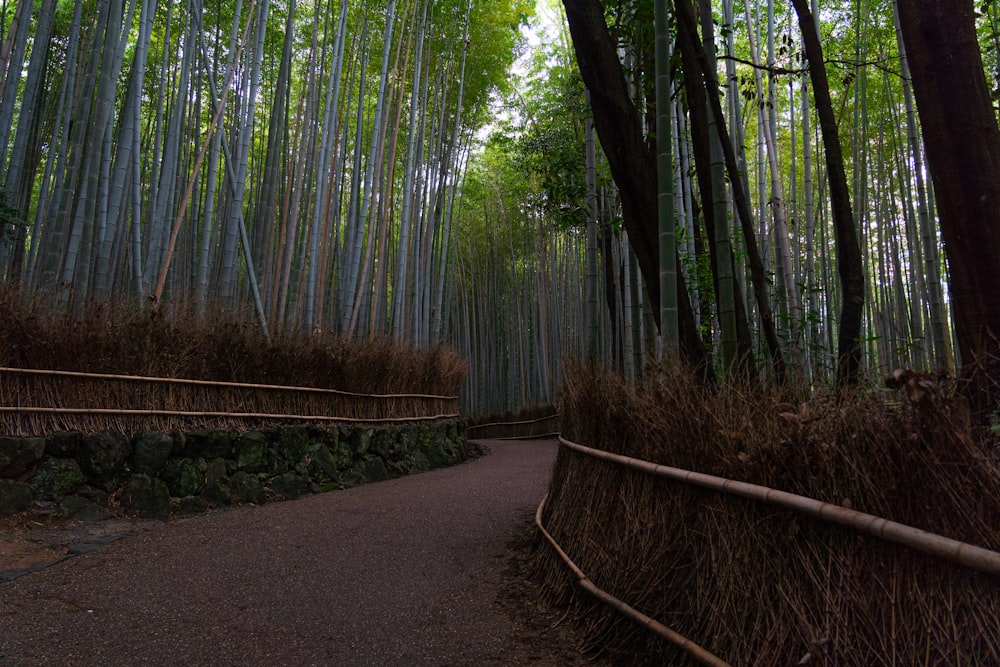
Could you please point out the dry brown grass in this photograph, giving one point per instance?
(126, 340)
(758, 585)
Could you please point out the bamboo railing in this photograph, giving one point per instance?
(35, 401)
(512, 430)
(651, 624)
(967, 555)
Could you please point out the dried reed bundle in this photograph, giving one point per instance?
(759, 585)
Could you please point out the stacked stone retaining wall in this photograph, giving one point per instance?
(156, 474)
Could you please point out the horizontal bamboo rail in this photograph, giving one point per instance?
(211, 383)
(36, 401)
(233, 415)
(679, 640)
(530, 421)
(969, 555)
(538, 436)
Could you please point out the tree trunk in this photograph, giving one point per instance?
(619, 126)
(963, 155)
(849, 267)
(689, 32)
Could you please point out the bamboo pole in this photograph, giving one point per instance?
(234, 415)
(212, 383)
(963, 553)
(621, 607)
(530, 421)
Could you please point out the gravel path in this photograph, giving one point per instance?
(404, 572)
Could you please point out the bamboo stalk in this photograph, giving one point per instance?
(621, 607)
(969, 555)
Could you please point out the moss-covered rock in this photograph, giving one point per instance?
(63, 444)
(352, 476)
(14, 497)
(245, 488)
(290, 444)
(384, 443)
(184, 477)
(411, 463)
(360, 439)
(189, 505)
(151, 451)
(84, 509)
(325, 436)
(290, 486)
(20, 456)
(286, 461)
(104, 458)
(408, 441)
(323, 467)
(147, 496)
(252, 452)
(374, 470)
(56, 477)
(216, 489)
(211, 444)
(180, 442)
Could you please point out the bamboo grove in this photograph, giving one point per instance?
(300, 157)
(575, 220)
(363, 169)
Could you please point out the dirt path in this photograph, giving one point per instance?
(406, 572)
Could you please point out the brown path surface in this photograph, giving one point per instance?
(404, 572)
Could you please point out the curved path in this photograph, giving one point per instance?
(404, 572)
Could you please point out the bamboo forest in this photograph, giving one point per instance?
(525, 183)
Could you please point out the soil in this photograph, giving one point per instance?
(549, 636)
(40, 537)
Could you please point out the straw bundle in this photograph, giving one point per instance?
(755, 584)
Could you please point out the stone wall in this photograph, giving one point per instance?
(157, 474)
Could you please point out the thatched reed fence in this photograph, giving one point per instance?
(946, 548)
(767, 577)
(961, 553)
(527, 429)
(34, 402)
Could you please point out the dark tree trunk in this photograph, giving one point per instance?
(697, 101)
(688, 34)
(963, 155)
(849, 265)
(631, 159)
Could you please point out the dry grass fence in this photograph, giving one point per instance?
(35, 402)
(117, 366)
(762, 585)
(541, 421)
